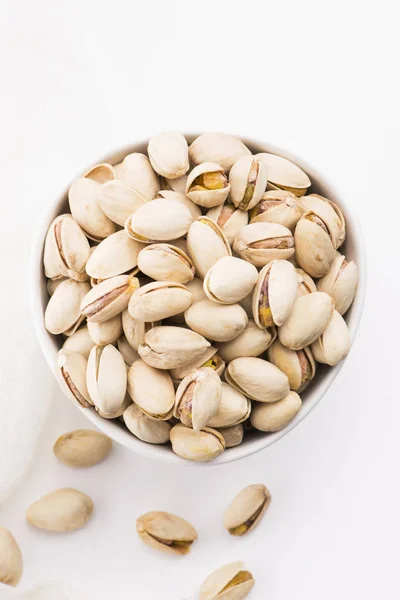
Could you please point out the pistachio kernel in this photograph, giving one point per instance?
(264, 309)
(241, 577)
(214, 180)
(251, 185)
(244, 527)
(225, 214)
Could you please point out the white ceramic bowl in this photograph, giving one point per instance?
(353, 249)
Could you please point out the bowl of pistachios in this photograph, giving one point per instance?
(195, 295)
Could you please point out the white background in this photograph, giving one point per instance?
(79, 78)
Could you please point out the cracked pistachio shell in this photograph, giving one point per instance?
(230, 280)
(79, 342)
(198, 397)
(315, 252)
(137, 172)
(82, 447)
(298, 365)
(159, 300)
(260, 243)
(305, 283)
(169, 347)
(275, 293)
(72, 376)
(106, 332)
(165, 262)
(248, 179)
(159, 221)
(247, 509)
(129, 354)
(194, 210)
(308, 319)
(329, 213)
(219, 148)
(118, 200)
(168, 154)
(284, 174)
(10, 559)
(276, 416)
(229, 218)
(206, 244)
(334, 343)
(66, 250)
(234, 408)
(85, 208)
(115, 255)
(146, 429)
(108, 298)
(230, 582)
(166, 532)
(174, 185)
(135, 330)
(277, 206)
(207, 185)
(106, 378)
(151, 390)
(233, 435)
(252, 342)
(60, 511)
(118, 412)
(209, 358)
(63, 310)
(218, 322)
(257, 379)
(199, 446)
(101, 173)
(52, 284)
(340, 283)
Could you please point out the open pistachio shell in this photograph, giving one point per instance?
(340, 283)
(10, 559)
(85, 208)
(230, 582)
(159, 300)
(115, 255)
(253, 341)
(305, 283)
(79, 342)
(199, 446)
(63, 311)
(137, 172)
(171, 347)
(329, 213)
(206, 243)
(129, 354)
(194, 210)
(219, 322)
(248, 180)
(233, 435)
(72, 373)
(118, 200)
(209, 358)
(158, 221)
(166, 532)
(151, 390)
(106, 378)
(298, 365)
(247, 509)
(257, 379)
(229, 218)
(101, 173)
(106, 332)
(135, 330)
(277, 206)
(234, 408)
(284, 175)
(230, 280)
(108, 298)
(168, 154)
(315, 252)
(198, 397)
(275, 293)
(259, 243)
(165, 262)
(276, 416)
(309, 318)
(60, 511)
(146, 429)
(207, 185)
(219, 148)
(66, 249)
(334, 343)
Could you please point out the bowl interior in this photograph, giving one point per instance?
(353, 248)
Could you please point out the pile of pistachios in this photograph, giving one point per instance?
(195, 291)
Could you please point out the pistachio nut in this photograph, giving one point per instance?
(233, 435)
(10, 559)
(207, 185)
(137, 172)
(230, 582)
(329, 213)
(79, 342)
(159, 300)
(63, 311)
(168, 154)
(277, 206)
(305, 283)
(135, 330)
(298, 365)
(151, 390)
(194, 210)
(275, 293)
(119, 201)
(234, 408)
(199, 446)
(72, 376)
(208, 358)
(229, 218)
(198, 397)
(106, 378)
(66, 250)
(174, 185)
(60, 511)
(219, 148)
(146, 429)
(253, 341)
(248, 179)
(82, 447)
(166, 532)
(340, 283)
(247, 509)
(219, 322)
(52, 284)
(206, 243)
(164, 262)
(106, 332)
(158, 221)
(85, 208)
(119, 410)
(101, 173)
(108, 298)
(171, 347)
(276, 416)
(259, 243)
(309, 318)
(230, 280)
(257, 379)
(334, 343)
(129, 354)
(283, 174)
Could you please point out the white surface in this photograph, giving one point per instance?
(79, 78)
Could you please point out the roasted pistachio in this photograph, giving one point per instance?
(198, 398)
(115, 255)
(253, 341)
(194, 210)
(247, 509)
(147, 429)
(171, 347)
(84, 204)
(230, 582)
(230, 280)
(10, 559)
(60, 511)
(72, 377)
(151, 390)
(257, 379)
(334, 343)
(165, 262)
(82, 447)
(137, 172)
(233, 435)
(199, 446)
(206, 243)
(305, 283)
(277, 206)
(298, 365)
(229, 218)
(159, 300)
(106, 378)
(284, 174)
(209, 358)
(260, 243)
(118, 200)
(135, 330)
(207, 185)
(275, 293)
(219, 148)
(166, 532)
(309, 318)
(63, 312)
(79, 342)
(158, 221)
(168, 154)
(234, 408)
(106, 332)
(248, 180)
(274, 417)
(329, 213)
(66, 250)
(219, 322)
(340, 283)
(108, 298)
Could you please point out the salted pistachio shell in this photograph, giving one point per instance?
(165, 262)
(253, 341)
(151, 390)
(137, 172)
(135, 330)
(329, 213)
(277, 206)
(168, 154)
(248, 180)
(64, 308)
(334, 343)
(229, 218)
(194, 210)
(230, 280)
(174, 185)
(60, 511)
(199, 446)
(52, 284)
(85, 208)
(233, 435)
(257, 379)
(101, 173)
(206, 244)
(166, 532)
(219, 322)
(275, 293)
(129, 354)
(82, 447)
(158, 221)
(10, 559)
(207, 185)
(209, 358)
(198, 397)
(106, 378)
(106, 332)
(284, 174)
(79, 342)
(146, 429)
(247, 509)
(72, 376)
(108, 298)
(169, 347)
(274, 417)
(159, 300)
(340, 283)
(305, 283)
(309, 318)
(230, 582)
(260, 243)
(234, 408)
(66, 249)
(117, 412)
(298, 365)
(220, 148)
(118, 200)
(315, 252)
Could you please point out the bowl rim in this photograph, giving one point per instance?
(263, 440)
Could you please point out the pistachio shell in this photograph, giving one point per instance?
(207, 185)
(340, 283)
(315, 252)
(82, 447)
(72, 376)
(309, 318)
(79, 342)
(199, 446)
(115, 255)
(257, 379)
(168, 154)
(166, 532)
(158, 221)
(108, 298)
(229, 280)
(305, 283)
(248, 179)
(253, 341)
(275, 293)
(330, 214)
(216, 321)
(135, 330)
(159, 300)
(209, 358)
(164, 262)
(118, 411)
(174, 185)
(10, 559)
(206, 243)
(66, 249)
(298, 365)
(229, 218)
(146, 429)
(234, 408)
(63, 310)
(334, 343)
(106, 332)
(60, 511)
(194, 210)
(278, 206)
(106, 378)
(52, 284)
(219, 148)
(233, 435)
(276, 416)
(230, 582)
(260, 243)
(101, 173)
(171, 347)
(198, 398)
(285, 175)
(152, 390)
(247, 509)
(129, 354)
(85, 208)
(137, 172)
(118, 200)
